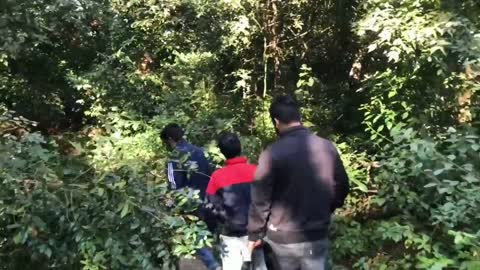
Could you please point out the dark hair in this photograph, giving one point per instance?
(172, 131)
(285, 109)
(229, 145)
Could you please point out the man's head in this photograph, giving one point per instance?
(171, 135)
(285, 113)
(230, 145)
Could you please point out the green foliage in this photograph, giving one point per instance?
(446, 171)
(420, 64)
(43, 41)
(98, 208)
(83, 187)
(421, 179)
(419, 60)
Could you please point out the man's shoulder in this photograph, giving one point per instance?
(321, 142)
(196, 148)
(218, 173)
(248, 169)
(194, 152)
(283, 147)
(279, 147)
(191, 148)
(227, 171)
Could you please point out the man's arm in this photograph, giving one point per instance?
(261, 198)
(215, 200)
(176, 176)
(341, 185)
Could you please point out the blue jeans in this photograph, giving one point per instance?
(206, 256)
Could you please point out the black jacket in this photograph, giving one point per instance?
(300, 180)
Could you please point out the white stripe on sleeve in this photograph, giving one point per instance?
(170, 175)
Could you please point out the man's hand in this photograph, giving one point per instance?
(253, 244)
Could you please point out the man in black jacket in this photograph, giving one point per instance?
(300, 180)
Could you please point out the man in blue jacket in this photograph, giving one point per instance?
(188, 168)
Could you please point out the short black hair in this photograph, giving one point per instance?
(229, 145)
(172, 131)
(285, 109)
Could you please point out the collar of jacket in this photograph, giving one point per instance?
(236, 160)
(183, 147)
(293, 130)
(182, 144)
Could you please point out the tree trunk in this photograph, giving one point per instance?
(273, 51)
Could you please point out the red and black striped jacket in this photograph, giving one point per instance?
(229, 192)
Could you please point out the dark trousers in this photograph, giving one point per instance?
(301, 256)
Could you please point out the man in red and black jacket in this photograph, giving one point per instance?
(229, 193)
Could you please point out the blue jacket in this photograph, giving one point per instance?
(189, 168)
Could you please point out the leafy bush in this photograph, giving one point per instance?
(427, 192)
(436, 179)
(99, 209)
(422, 60)
(420, 68)
(101, 78)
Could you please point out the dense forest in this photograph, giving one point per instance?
(87, 85)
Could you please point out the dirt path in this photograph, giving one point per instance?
(186, 264)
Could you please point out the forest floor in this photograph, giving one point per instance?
(191, 264)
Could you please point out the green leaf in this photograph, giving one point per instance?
(444, 190)
(379, 201)
(393, 56)
(359, 185)
(310, 82)
(39, 222)
(470, 178)
(183, 201)
(121, 184)
(48, 252)
(125, 209)
(18, 238)
(78, 147)
(135, 225)
(13, 226)
(162, 254)
(429, 185)
(192, 217)
(451, 183)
